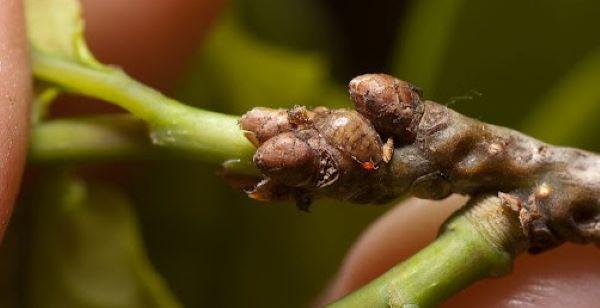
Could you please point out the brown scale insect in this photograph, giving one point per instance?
(288, 159)
(348, 131)
(392, 105)
(352, 134)
(302, 149)
(260, 124)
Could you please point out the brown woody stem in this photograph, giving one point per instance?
(339, 154)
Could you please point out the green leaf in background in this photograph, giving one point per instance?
(569, 111)
(512, 52)
(55, 27)
(235, 72)
(301, 25)
(87, 252)
(425, 39)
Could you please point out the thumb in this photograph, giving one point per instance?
(15, 91)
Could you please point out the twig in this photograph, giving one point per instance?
(100, 138)
(341, 154)
(479, 241)
(211, 136)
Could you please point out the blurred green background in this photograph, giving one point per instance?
(530, 65)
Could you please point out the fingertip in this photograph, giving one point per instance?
(563, 277)
(15, 97)
(151, 39)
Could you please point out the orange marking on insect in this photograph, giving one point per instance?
(258, 196)
(368, 165)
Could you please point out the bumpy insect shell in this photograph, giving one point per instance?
(287, 159)
(310, 153)
(392, 105)
(260, 124)
(351, 133)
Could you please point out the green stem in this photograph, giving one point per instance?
(212, 136)
(90, 139)
(41, 104)
(103, 138)
(109, 83)
(478, 242)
